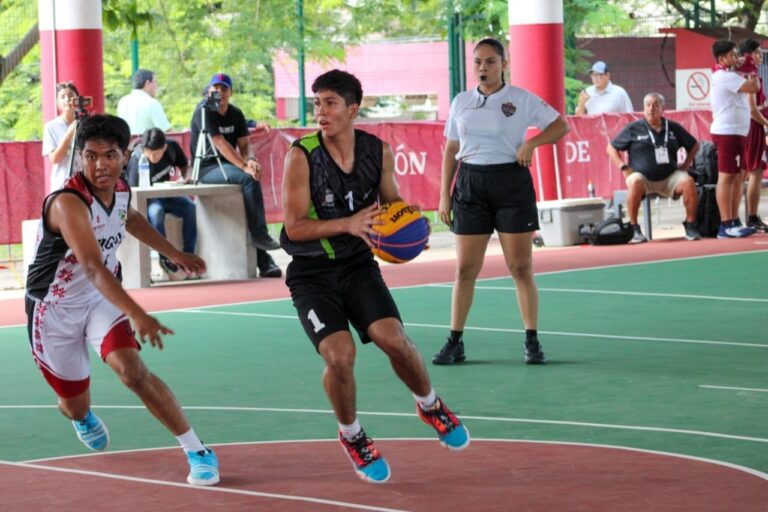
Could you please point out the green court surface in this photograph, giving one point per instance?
(669, 356)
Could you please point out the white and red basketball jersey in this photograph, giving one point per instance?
(55, 276)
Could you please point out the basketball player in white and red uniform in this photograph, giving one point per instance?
(75, 299)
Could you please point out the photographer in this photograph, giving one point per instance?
(59, 133)
(226, 125)
(164, 156)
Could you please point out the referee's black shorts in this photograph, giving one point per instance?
(488, 197)
(330, 294)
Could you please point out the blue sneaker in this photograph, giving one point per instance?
(203, 467)
(92, 432)
(451, 431)
(368, 462)
(745, 230)
(734, 229)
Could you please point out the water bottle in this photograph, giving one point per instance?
(590, 189)
(144, 172)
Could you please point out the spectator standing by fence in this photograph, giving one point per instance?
(59, 133)
(757, 138)
(603, 96)
(729, 129)
(140, 109)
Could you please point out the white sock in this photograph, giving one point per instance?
(190, 442)
(351, 430)
(425, 402)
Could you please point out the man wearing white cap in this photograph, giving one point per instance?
(603, 97)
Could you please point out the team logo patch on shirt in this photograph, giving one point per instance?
(508, 109)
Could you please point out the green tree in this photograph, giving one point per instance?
(20, 91)
(185, 41)
(743, 13)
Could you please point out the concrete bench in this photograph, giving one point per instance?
(222, 234)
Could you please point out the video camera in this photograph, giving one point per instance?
(213, 101)
(81, 104)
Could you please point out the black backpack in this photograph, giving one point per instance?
(707, 213)
(704, 169)
(609, 232)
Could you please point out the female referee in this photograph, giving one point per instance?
(494, 190)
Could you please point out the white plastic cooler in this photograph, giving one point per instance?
(559, 220)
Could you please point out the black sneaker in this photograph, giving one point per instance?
(533, 352)
(174, 272)
(271, 270)
(757, 224)
(265, 243)
(691, 233)
(451, 353)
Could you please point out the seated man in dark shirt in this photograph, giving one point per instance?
(165, 157)
(652, 144)
(229, 133)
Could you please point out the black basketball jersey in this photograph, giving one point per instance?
(336, 194)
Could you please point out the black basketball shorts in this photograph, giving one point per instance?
(488, 197)
(330, 294)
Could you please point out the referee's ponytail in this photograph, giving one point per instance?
(497, 47)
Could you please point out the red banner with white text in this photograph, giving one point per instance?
(417, 147)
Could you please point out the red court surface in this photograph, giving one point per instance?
(417, 273)
(315, 475)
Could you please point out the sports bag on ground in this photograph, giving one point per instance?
(609, 232)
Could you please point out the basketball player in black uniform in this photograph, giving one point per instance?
(333, 179)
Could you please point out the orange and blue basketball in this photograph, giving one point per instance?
(404, 234)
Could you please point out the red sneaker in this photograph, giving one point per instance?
(451, 431)
(366, 459)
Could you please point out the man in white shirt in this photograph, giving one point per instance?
(603, 97)
(729, 129)
(139, 108)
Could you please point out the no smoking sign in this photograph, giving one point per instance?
(697, 86)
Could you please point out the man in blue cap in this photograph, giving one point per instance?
(603, 96)
(229, 134)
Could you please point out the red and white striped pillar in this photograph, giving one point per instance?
(71, 49)
(536, 63)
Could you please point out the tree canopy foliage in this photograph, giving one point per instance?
(186, 41)
(742, 13)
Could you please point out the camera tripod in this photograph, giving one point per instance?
(205, 148)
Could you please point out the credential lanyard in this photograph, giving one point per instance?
(662, 154)
(666, 134)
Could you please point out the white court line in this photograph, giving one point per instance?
(411, 415)
(751, 471)
(553, 272)
(495, 329)
(732, 388)
(226, 490)
(613, 292)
